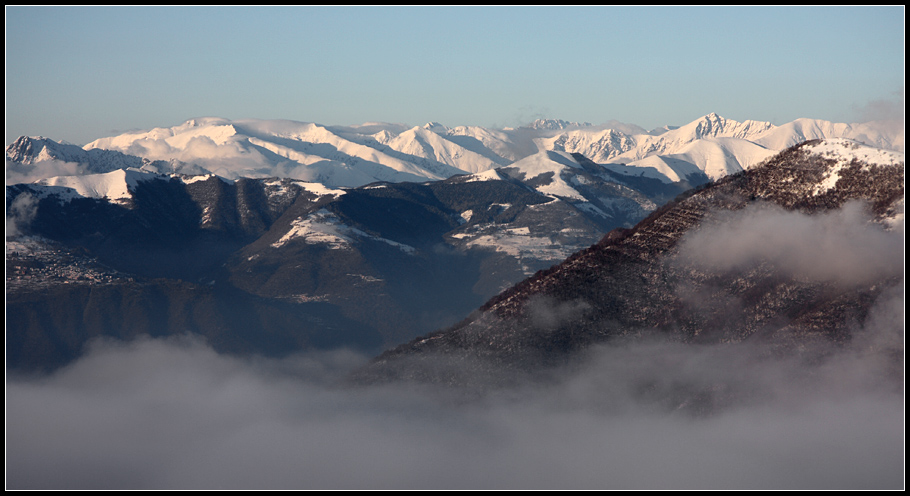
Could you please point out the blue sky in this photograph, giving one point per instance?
(81, 73)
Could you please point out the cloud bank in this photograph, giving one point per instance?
(842, 246)
(173, 414)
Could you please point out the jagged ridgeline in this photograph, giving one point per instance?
(792, 254)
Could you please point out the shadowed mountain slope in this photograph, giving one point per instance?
(764, 255)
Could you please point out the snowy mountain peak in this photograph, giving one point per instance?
(713, 125)
(436, 127)
(556, 124)
(599, 146)
(709, 125)
(31, 149)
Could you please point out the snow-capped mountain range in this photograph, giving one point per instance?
(351, 156)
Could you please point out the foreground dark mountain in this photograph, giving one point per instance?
(277, 265)
(783, 254)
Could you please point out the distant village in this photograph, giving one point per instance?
(35, 264)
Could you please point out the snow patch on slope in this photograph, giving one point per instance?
(280, 188)
(517, 242)
(115, 185)
(550, 163)
(324, 227)
(490, 175)
(845, 151)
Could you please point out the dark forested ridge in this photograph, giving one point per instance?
(644, 281)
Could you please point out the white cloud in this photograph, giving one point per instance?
(174, 414)
(843, 246)
(20, 214)
(26, 173)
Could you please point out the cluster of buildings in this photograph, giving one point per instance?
(27, 266)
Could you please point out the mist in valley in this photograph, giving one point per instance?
(171, 413)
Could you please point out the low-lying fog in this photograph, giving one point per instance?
(171, 413)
